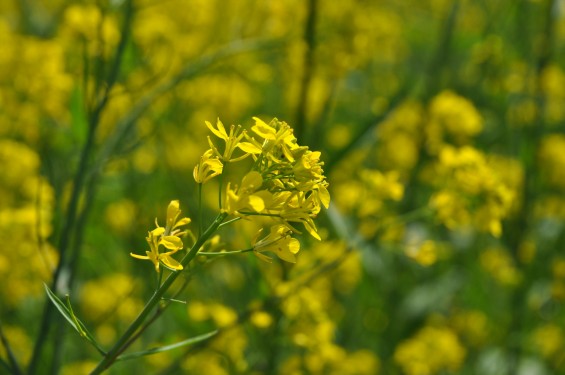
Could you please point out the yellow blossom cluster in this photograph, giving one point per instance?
(452, 118)
(469, 191)
(285, 182)
(26, 211)
(431, 350)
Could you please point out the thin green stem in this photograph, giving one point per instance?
(225, 252)
(199, 209)
(231, 221)
(258, 214)
(220, 187)
(124, 341)
(14, 367)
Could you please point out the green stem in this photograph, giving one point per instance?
(199, 209)
(258, 214)
(123, 342)
(225, 252)
(230, 221)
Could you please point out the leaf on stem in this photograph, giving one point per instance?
(70, 316)
(165, 348)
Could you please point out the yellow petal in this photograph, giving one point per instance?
(249, 147)
(170, 262)
(311, 228)
(217, 133)
(157, 231)
(294, 245)
(263, 257)
(286, 255)
(252, 181)
(172, 211)
(171, 242)
(324, 195)
(263, 130)
(139, 256)
(183, 221)
(256, 203)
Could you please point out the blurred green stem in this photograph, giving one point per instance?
(14, 368)
(71, 220)
(307, 68)
(125, 340)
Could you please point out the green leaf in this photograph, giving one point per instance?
(69, 315)
(165, 348)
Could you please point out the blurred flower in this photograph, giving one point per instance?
(499, 264)
(431, 350)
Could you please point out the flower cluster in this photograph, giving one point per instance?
(169, 237)
(286, 181)
(471, 192)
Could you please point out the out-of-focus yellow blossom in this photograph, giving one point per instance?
(548, 340)
(425, 253)
(399, 138)
(452, 118)
(522, 112)
(83, 367)
(371, 199)
(551, 206)
(26, 211)
(169, 237)
(360, 362)
(121, 215)
(558, 268)
(527, 251)
(472, 326)
(112, 294)
(20, 343)
(222, 315)
(261, 319)
(551, 159)
(206, 362)
(552, 81)
(383, 185)
(499, 264)
(208, 167)
(88, 22)
(463, 175)
(431, 350)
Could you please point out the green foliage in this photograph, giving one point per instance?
(437, 127)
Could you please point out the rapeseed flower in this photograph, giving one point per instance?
(168, 237)
(208, 167)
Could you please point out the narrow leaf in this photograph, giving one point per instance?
(68, 313)
(165, 348)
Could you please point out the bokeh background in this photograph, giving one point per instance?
(441, 124)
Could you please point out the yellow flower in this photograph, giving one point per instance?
(247, 195)
(168, 237)
(232, 140)
(277, 134)
(208, 167)
(278, 241)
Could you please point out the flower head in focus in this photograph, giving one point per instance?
(168, 237)
(232, 141)
(208, 167)
(278, 241)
